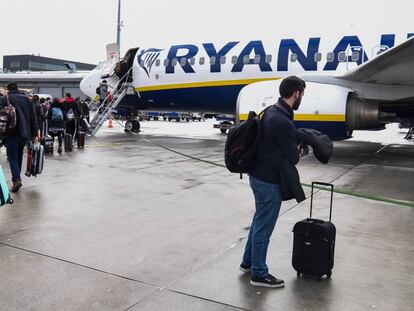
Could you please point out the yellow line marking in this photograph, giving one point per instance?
(311, 117)
(201, 84)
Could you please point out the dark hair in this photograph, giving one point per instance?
(42, 100)
(68, 95)
(290, 85)
(47, 98)
(12, 86)
(35, 98)
(56, 100)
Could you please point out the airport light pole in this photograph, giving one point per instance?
(120, 24)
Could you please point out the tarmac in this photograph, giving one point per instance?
(155, 222)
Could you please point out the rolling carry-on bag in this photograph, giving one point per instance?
(68, 142)
(5, 197)
(314, 243)
(81, 139)
(46, 141)
(35, 160)
(85, 125)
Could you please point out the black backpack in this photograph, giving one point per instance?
(242, 142)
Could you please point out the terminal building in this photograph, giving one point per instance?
(14, 63)
(45, 75)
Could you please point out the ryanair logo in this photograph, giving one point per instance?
(147, 58)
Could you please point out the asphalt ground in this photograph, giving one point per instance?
(154, 222)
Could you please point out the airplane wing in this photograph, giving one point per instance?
(395, 66)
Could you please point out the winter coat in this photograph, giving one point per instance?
(26, 124)
(321, 143)
(278, 152)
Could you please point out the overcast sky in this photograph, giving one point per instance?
(79, 30)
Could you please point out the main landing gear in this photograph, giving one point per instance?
(132, 126)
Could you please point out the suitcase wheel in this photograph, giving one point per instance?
(298, 274)
(329, 274)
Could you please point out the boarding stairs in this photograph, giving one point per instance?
(105, 109)
(108, 105)
(410, 134)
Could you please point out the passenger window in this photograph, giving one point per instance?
(293, 57)
(174, 62)
(223, 60)
(246, 59)
(183, 61)
(202, 60)
(157, 63)
(268, 59)
(234, 59)
(330, 57)
(192, 61)
(342, 56)
(166, 61)
(141, 63)
(318, 57)
(212, 60)
(257, 59)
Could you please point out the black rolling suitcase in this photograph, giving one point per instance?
(68, 143)
(314, 243)
(81, 139)
(46, 141)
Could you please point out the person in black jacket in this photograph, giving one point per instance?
(40, 113)
(26, 129)
(278, 147)
(73, 114)
(57, 121)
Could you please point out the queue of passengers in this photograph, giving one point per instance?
(33, 118)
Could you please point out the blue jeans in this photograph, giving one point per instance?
(15, 146)
(268, 200)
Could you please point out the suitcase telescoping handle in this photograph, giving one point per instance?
(322, 184)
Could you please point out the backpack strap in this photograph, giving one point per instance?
(261, 114)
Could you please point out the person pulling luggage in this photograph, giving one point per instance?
(73, 115)
(57, 122)
(278, 144)
(26, 129)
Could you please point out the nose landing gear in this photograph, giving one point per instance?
(132, 126)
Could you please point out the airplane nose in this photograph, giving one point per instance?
(87, 88)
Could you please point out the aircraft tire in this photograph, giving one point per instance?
(129, 126)
(137, 126)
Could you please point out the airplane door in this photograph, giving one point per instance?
(355, 56)
(126, 63)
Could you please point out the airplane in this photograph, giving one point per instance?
(354, 82)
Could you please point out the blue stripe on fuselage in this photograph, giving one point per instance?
(212, 99)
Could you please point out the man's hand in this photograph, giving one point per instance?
(303, 149)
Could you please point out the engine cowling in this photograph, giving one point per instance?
(332, 109)
(361, 115)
